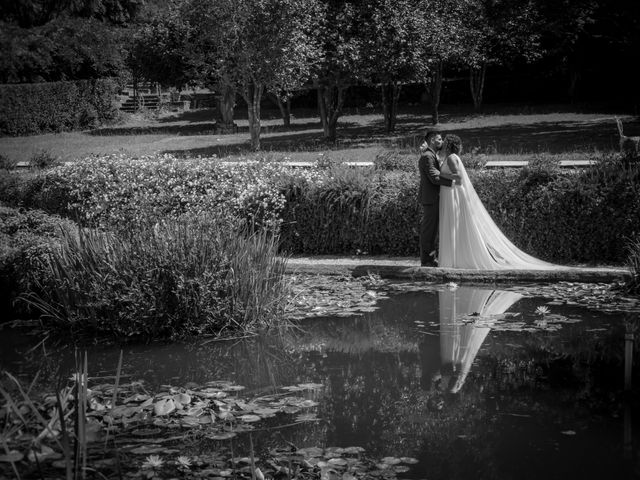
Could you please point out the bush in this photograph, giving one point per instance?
(185, 276)
(561, 215)
(633, 262)
(25, 237)
(35, 108)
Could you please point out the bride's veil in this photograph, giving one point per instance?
(482, 234)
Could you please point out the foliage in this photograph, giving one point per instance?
(56, 106)
(117, 191)
(252, 46)
(30, 13)
(633, 262)
(184, 276)
(502, 32)
(25, 237)
(556, 214)
(63, 49)
(161, 51)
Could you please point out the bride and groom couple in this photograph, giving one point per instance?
(455, 223)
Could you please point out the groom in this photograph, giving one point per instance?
(429, 196)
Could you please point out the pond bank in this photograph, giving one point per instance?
(408, 268)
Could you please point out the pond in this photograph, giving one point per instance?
(461, 382)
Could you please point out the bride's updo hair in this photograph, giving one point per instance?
(452, 144)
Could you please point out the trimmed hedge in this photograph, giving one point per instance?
(557, 215)
(35, 108)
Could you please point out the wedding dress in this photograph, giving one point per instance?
(469, 238)
(459, 341)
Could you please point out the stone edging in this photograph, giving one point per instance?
(411, 272)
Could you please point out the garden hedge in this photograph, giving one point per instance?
(565, 216)
(34, 108)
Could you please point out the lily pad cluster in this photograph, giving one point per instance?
(140, 422)
(144, 435)
(333, 295)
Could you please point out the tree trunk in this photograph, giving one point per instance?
(574, 78)
(436, 89)
(390, 96)
(476, 81)
(285, 108)
(252, 93)
(330, 103)
(226, 105)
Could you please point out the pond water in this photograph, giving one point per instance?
(474, 383)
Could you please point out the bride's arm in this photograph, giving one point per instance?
(452, 163)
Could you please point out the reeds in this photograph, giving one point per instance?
(174, 278)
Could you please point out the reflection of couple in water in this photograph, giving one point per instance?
(447, 363)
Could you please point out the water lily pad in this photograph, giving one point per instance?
(147, 449)
(266, 412)
(222, 435)
(341, 462)
(391, 460)
(409, 460)
(12, 456)
(307, 417)
(182, 398)
(250, 418)
(310, 452)
(45, 453)
(164, 406)
(145, 432)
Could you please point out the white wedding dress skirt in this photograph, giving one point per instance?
(460, 341)
(470, 239)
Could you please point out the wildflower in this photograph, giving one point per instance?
(183, 461)
(153, 461)
(542, 310)
(452, 285)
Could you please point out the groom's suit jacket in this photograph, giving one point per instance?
(430, 179)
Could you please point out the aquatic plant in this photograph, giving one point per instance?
(633, 262)
(177, 277)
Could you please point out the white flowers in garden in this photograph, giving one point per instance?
(117, 189)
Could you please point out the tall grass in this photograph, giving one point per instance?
(633, 262)
(175, 278)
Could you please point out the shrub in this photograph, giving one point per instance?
(633, 262)
(25, 237)
(394, 160)
(560, 215)
(56, 106)
(184, 276)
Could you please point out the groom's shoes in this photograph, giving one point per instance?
(429, 263)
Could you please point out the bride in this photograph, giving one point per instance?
(469, 238)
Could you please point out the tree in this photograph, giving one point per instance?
(33, 13)
(498, 32)
(391, 35)
(255, 46)
(160, 51)
(441, 43)
(564, 33)
(341, 64)
(62, 49)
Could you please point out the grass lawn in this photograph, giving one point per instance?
(500, 133)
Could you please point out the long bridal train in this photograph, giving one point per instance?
(459, 341)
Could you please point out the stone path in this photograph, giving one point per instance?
(409, 268)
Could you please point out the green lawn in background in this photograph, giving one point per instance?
(501, 134)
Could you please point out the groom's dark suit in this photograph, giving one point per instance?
(429, 198)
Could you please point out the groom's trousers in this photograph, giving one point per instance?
(428, 230)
